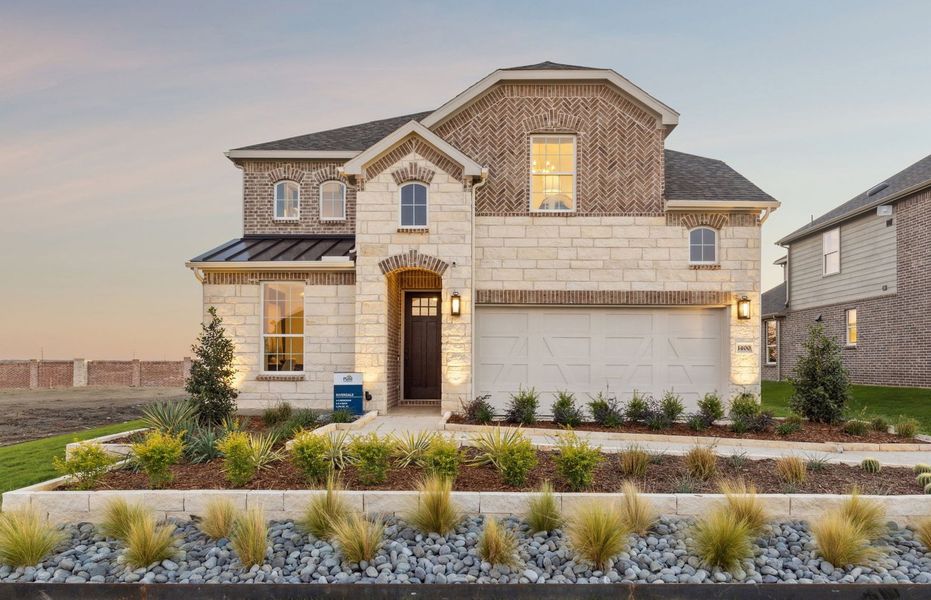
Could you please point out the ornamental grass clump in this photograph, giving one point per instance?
(358, 538)
(218, 519)
(118, 517)
(86, 464)
(156, 454)
(701, 462)
(868, 515)
(497, 544)
(435, 511)
(840, 541)
(722, 540)
(309, 455)
(542, 510)
(371, 455)
(633, 461)
(324, 510)
(923, 533)
(792, 470)
(576, 461)
(637, 512)
(26, 538)
(597, 532)
(743, 504)
(249, 537)
(906, 427)
(149, 542)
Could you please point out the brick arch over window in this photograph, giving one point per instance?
(552, 120)
(285, 172)
(413, 172)
(327, 173)
(413, 260)
(713, 220)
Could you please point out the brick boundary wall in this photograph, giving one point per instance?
(44, 374)
(55, 373)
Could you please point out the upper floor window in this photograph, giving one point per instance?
(287, 200)
(703, 246)
(850, 316)
(282, 327)
(830, 248)
(772, 341)
(552, 173)
(332, 201)
(413, 205)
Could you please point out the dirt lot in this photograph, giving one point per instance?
(33, 414)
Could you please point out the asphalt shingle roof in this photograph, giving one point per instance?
(352, 137)
(279, 247)
(550, 66)
(915, 174)
(773, 301)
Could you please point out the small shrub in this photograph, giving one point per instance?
(605, 411)
(118, 517)
(155, 455)
(656, 420)
(238, 464)
(342, 415)
(200, 445)
(309, 455)
(275, 415)
(711, 408)
(744, 406)
(671, 406)
(696, 422)
(921, 468)
(86, 465)
(523, 407)
(792, 469)
(597, 532)
(701, 462)
(906, 427)
(497, 544)
(148, 542)
(855, 427)
(633, 461)
(26, 538)
(301, 419)
(324, 510)
(411, 447)
(923, 533)
(358, 538)
(565, 411)
(744, 505)
(816, 464)
(786, 428)
(542, 510)
(841, 542)
(868, 515)
(442, 458)
(249, 537)
(879, 425)
(371, 455)
(435, 511)
(870, 465)
(479, 410)
(509, 451)
(820, 379)
(722, 541)
(923, 479)
(637, 408)
(219, 517)
(576, 461)
(170, 417)
(637, 512)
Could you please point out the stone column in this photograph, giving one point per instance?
(33, 374)
(79, 377)
(186, 368)
(137, 374)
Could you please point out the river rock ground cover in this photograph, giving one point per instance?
(784, 553)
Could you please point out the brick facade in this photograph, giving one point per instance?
(15, 374)
(110, 372)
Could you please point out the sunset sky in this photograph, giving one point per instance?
(114, 117)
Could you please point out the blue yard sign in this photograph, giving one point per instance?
(347, 392)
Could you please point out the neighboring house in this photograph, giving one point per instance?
(531, 232)
(864, 271)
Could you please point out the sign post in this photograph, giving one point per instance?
(347, 392)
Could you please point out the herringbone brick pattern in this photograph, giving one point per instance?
(415, 145)
(619, 147)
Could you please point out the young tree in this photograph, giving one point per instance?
(211, 382)
(820, 380)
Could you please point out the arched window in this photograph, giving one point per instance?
(332, 201)
(703, 246)
(414, 205)
(287, 200)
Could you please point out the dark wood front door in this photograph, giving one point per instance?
(422, 346)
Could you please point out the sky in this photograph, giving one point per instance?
(114, 117)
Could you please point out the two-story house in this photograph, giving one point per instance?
(531, 232)
(863, 270)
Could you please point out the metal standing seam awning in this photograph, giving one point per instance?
(280, 248)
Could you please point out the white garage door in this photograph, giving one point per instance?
(585, 350)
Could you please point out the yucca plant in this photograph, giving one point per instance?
(491, 445)
(743, 504)
(435, 511)
(358, 538)
(149, 542)
(597, 532)
(25, 538)
(721, 540)
(118, 517)
(792, 469)
(218, 519)
(200, 445)
(868, 515)
(543, 510)
(870, 465)
(840, 541)
(336, 450)
(324, 510)
(409, 448)
(701, 462)
(171, 417)
(497, 544)
(637, 511)
(633, 461)
(510, 452)
(923, 533)
(249, 537)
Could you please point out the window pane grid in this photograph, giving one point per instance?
(830, 244)
(852, 333)
(552, 173)
(287, 200)
(414, 205)
(702, 245)
(283, 327)
(332, 200)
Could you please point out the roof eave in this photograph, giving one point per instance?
(676, 205)
(273, 265)
(470, 168)
(300, 154)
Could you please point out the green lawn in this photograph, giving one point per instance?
(889, 402)
(31, 462)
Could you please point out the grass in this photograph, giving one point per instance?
(840, 541)
(597, 532)
(792, 469)
(497, 544)
(249, 537)
(148, 542)
(119, 516)
(701, 462)
(923, 533)
(542, 511)
(25, 538)
(743, 504)
(31, 462)
(435, 512)
(721, 540)
(637, 511)
(218, 519)
(868, 515)
(324, 510)
(358, 538)
(874, 400)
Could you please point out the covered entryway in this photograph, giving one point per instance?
(590, 349)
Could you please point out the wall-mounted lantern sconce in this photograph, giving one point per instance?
(455, 304)
(743, 308)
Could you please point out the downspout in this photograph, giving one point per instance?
(482, 181)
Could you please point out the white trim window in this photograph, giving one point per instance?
(552, 173)
(703, 246)
(413, 205)
(850, 322)
(287, 201)
(772, 341)
(332, 201)
(282, 327)
(830, 250)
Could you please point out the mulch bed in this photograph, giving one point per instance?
(810, 432)
(664, 475)
(250, 424)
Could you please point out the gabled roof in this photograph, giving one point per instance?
(547, 65)
(691, 177)
(278, 249)
(903, 183)
(773, 302)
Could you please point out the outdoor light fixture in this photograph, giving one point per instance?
(455, 304)
(743, 308)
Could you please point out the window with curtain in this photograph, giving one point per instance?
(552, 173)
(332, 201)
(287, 200)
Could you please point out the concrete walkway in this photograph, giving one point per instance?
(427, 419)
